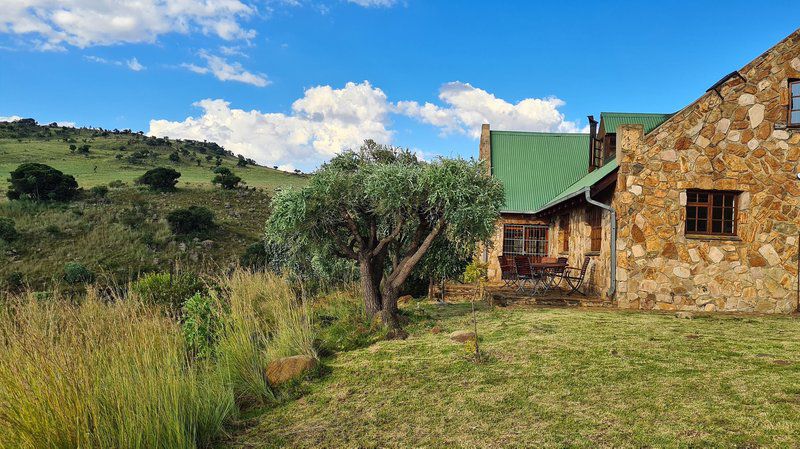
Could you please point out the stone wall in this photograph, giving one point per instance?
(732, 138)
(597, 277)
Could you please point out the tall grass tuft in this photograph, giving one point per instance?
(97, 376)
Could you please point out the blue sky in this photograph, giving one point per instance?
(290, 82)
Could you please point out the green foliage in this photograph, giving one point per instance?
(99, 191)
(342, 324)
(41, 182)
(84, 149)
(116, 184)
(76, 273)
(254, 257)
(476, 272)
(201, 324)
(165, 289)
(8, 231)
(193, 220)
(174, 157)
(226, 178)
(14, 281)
(160, 178)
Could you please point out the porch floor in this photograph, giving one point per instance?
(503, 295)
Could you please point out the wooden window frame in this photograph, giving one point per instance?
(794, 104)
(594, 218)
(532, 240)
(565, 232)
(709, 207)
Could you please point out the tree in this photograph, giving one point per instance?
(242, 162)
(72, 148)
(160, 178)
(195, 219)
(226, 178)
(174, 157)
(41, 182)
(383, 208)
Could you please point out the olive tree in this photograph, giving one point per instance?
(383, 208)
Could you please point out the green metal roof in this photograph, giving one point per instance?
(610, 120)
(536, 167)
(585, 182)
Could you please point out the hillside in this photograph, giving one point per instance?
(125, 233)
(123, 156)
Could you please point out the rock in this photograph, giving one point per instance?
(182, 247)
(405, 299)
(756, 115)
(715, 255)
(682, 272)
(288, 368)
(207, 244)
(436, 330)
(684, 315)
(462, 336)
(747, 99)
(769, 253)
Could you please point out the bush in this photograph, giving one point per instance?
(8, 231)
(195, 219)
(160, 178)
(202, 323)
(174, 157)
(41, 182)
(75, 273)
(99, 191)
(226, 178)
(116, 184)
(15, 281)
(254, 257)
(163, 289)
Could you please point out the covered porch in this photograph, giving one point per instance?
(504, 295)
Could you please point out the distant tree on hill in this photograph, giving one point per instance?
(242, 162)
(84, 149)
(160, 178)
(72, 148)
(226, 178)
(193, 220)
(174, 157)
(41, 182)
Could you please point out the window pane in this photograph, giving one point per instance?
(691, 226)
(702, 197)
(717, 199)
(728, 227)
(691, 197)
(796, 117)
(729, 200)
(702, 213)
(728, 214)
(795, 89)
(702, 226)
(691, 212)
(716, 214)
(716, 227)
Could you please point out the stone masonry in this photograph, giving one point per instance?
(733, 138)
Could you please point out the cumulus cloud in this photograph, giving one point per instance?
(83, 23)
(227, 71)
(467, 107)
(10, 118)
(322, 123)
(134, 65)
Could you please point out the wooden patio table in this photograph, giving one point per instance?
(545, 268)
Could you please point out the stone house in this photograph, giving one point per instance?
(696, 210)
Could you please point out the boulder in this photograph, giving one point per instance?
(288, 368)
(684, 315)
(462, 336)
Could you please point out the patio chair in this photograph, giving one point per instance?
(575, 276)
(508, 271)
(525, 273)
(557, 273)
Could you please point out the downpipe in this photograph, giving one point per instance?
(613, 288)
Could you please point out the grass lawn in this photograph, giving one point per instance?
(554, 378)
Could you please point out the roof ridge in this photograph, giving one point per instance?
(639, 113)
(537, 133)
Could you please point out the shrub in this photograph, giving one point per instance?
(226, 178)
(160, 178)
(201, 325)
(163, 289)
(195, 219)
(77, 273)
(174, 157)
(8, 231)
(254, 257)
(116, 184)
(99, 191)
(15, 281)
(41, 182)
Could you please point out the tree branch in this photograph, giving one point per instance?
(407, 264)
(351, 224)
(389, 238)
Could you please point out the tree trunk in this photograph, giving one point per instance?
(389, 295)
(372, 294)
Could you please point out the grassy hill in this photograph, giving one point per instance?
(124, 156)
(126, 233)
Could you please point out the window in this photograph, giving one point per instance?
(594, 218)
(564, 233)
(525, 240)
(794, 103)
(711, 212)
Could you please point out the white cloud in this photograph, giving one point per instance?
(134, 65)
(225, 71)
(374, 3)
(85, 23)
(10, 118)
(322, 123)
(14, 118)
(467, 107)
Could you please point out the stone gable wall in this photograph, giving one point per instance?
(732, 140)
